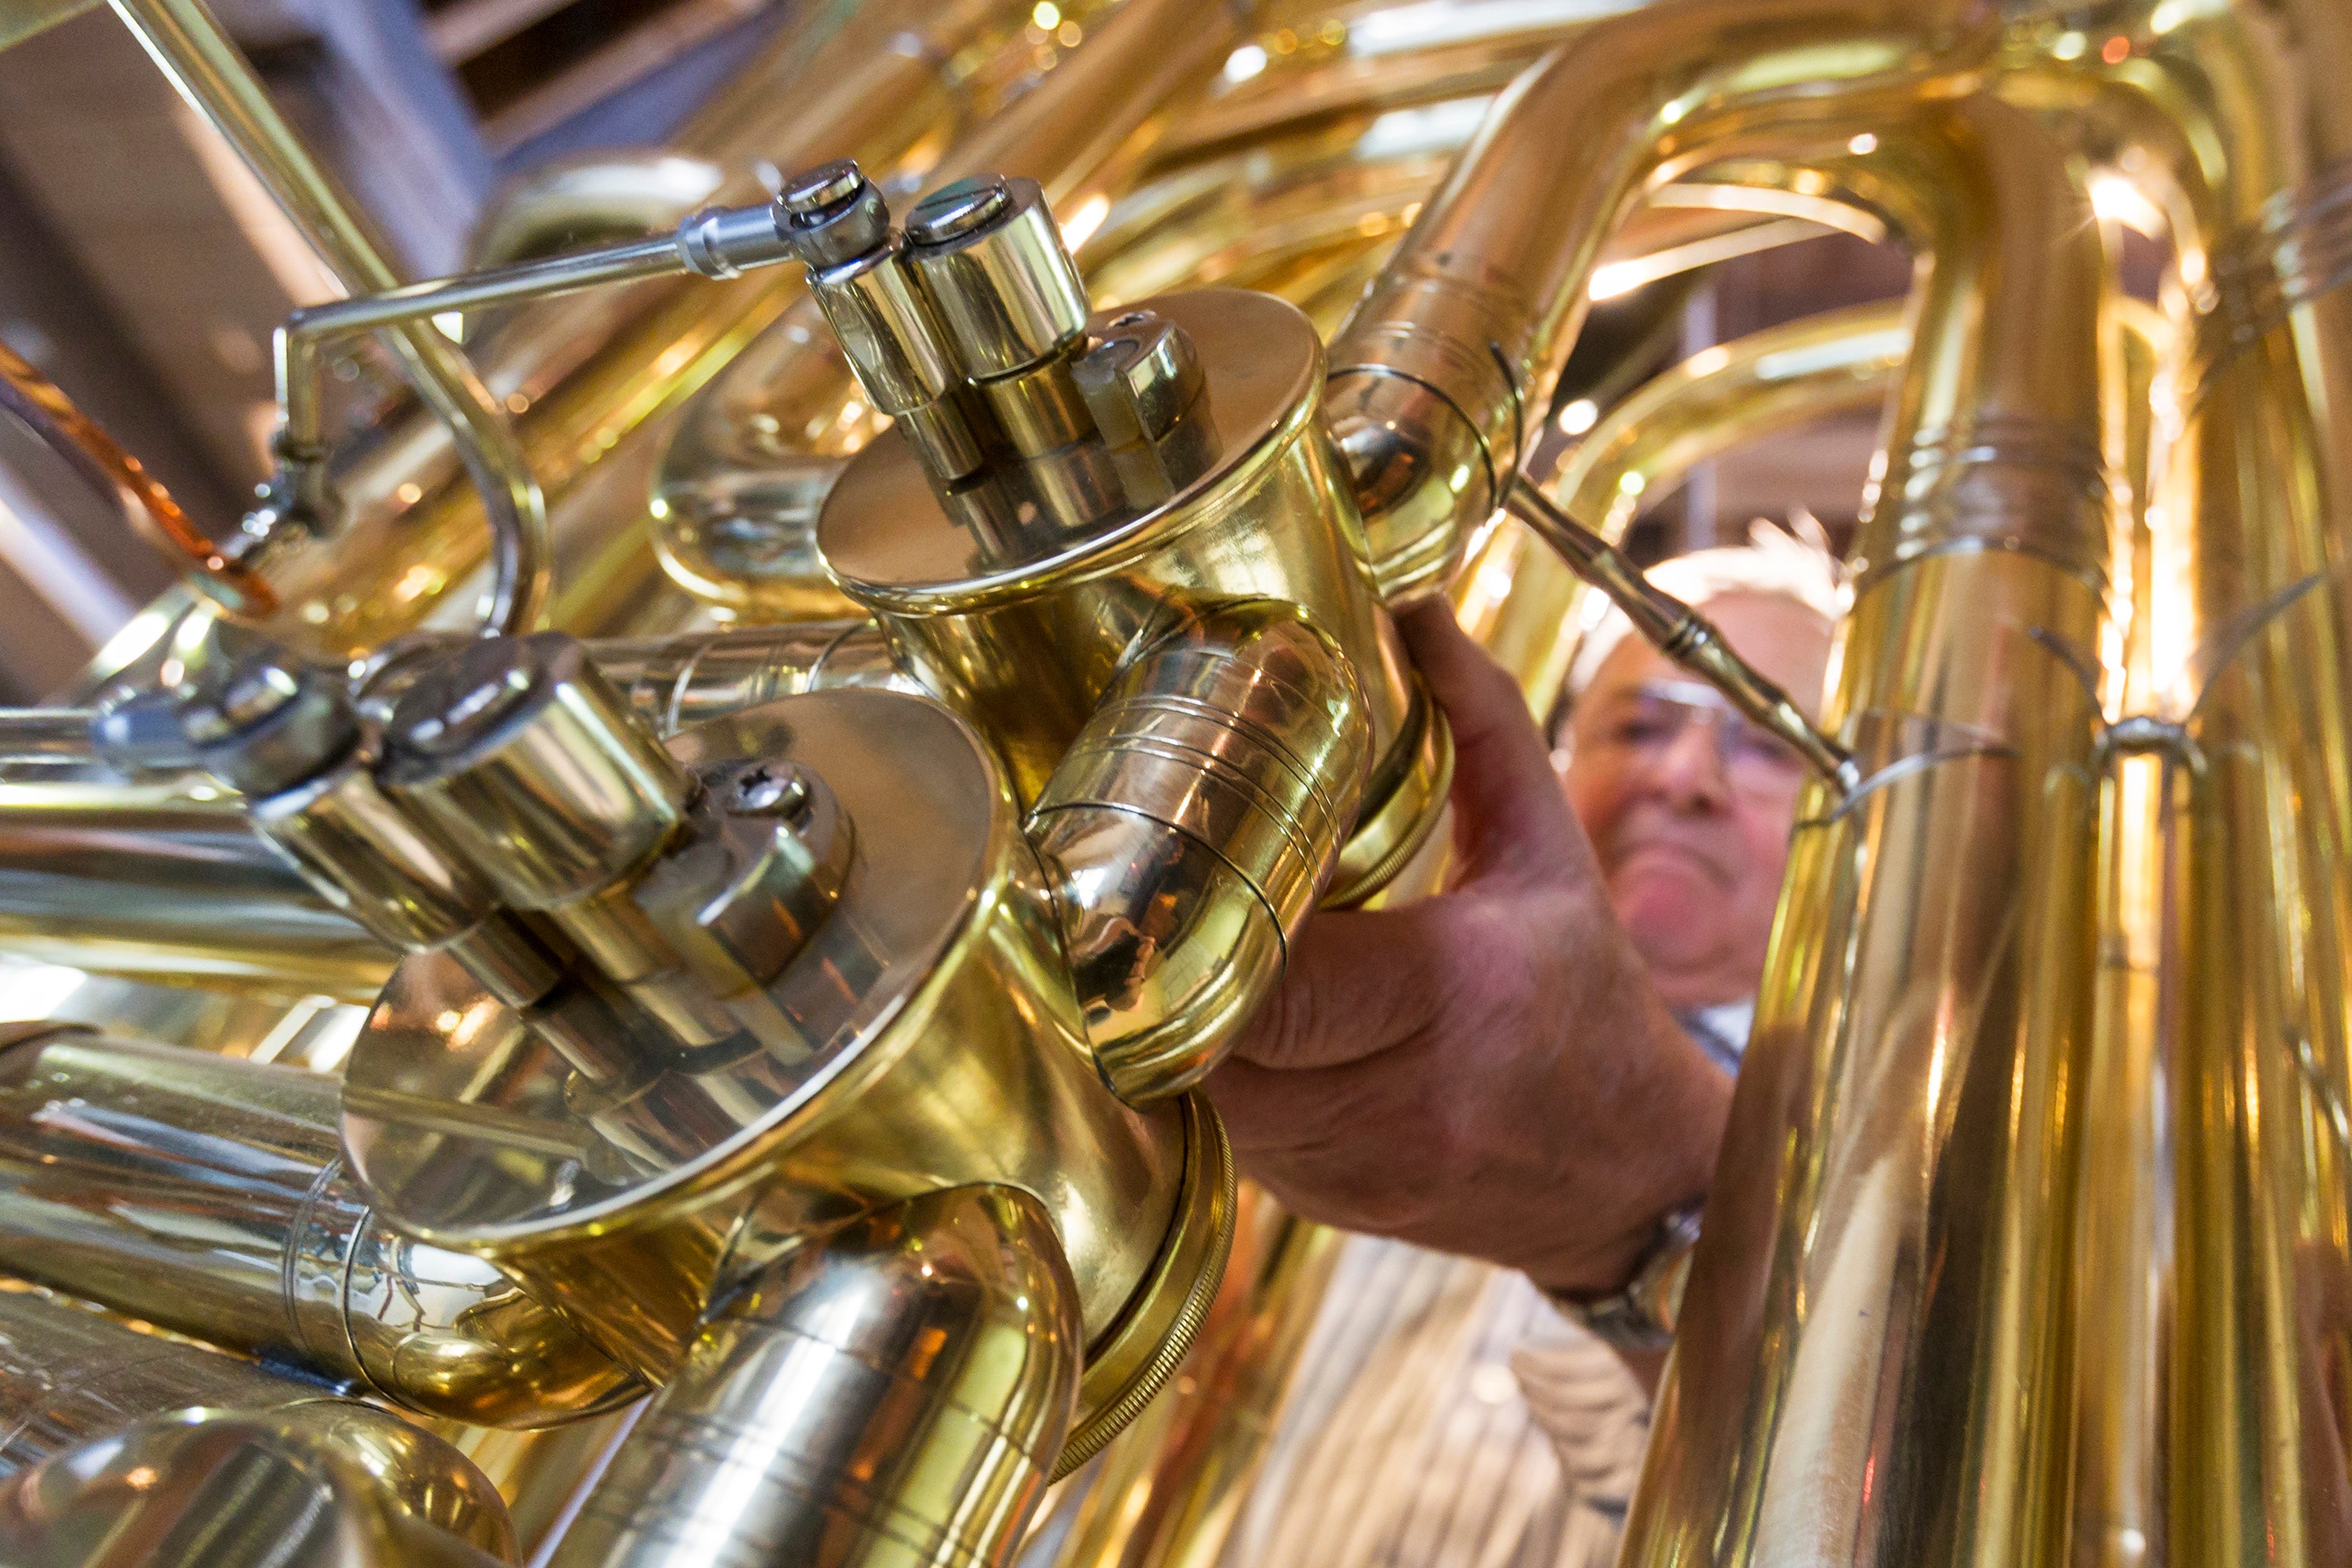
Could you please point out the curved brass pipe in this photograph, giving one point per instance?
(895, 1395)
(253, 1466)
(46, 410)
(163, 877)
(590, 199)
(192, 51)
(1456, 350)
(206, 1195)
(1522, 602)
(1872, 1360)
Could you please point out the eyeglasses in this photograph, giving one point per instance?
(1636, 728)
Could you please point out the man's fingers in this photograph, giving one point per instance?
(1356, 982)
(1512, 819)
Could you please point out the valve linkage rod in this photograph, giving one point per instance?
(1679, 632)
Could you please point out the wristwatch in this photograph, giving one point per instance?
(1642, 1316)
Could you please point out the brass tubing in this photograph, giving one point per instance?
(1438, 375)
(45, 735)
(890, 84)
(1770, 381)
(2230, 118)
(595, 198)
(69, 1375)
(234, 1489)
(86, 1406)
(189, 47)
(1874, 1361)
(163, 877)
(208, 1195)
(1191, 828)
(893, 1393)
(49, 414)
(2124, 1214)
(678, 681)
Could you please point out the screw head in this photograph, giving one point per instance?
(768, 789)
(830, 214)
(953, 211)
(813, 192)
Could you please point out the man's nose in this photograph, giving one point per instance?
(1690, 772)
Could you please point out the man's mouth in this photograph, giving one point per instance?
(1665, 854)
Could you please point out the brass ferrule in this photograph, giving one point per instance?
(1194, 821)
(206, 1195)
(898, 1392)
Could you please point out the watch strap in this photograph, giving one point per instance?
(1642, 1316)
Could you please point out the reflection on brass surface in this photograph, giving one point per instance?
(1871, 1363)
(307, 1487)
(897, 1395)
(100, 1425)
(929, 995)
(206, 1195)
(162, 876)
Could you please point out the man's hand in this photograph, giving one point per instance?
(1488, 1071)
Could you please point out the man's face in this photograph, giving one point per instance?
(1688, 804)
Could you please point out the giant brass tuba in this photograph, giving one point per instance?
(777, 771)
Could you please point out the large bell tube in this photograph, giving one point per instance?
(1872, 1364)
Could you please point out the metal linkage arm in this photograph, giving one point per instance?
(1681, 633)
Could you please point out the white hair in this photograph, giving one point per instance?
(1776, 562)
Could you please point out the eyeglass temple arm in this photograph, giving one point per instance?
(1680, 633)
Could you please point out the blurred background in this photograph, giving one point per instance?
(143, 269)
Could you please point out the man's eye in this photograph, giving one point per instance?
(1752, 745)
(1641, 732)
